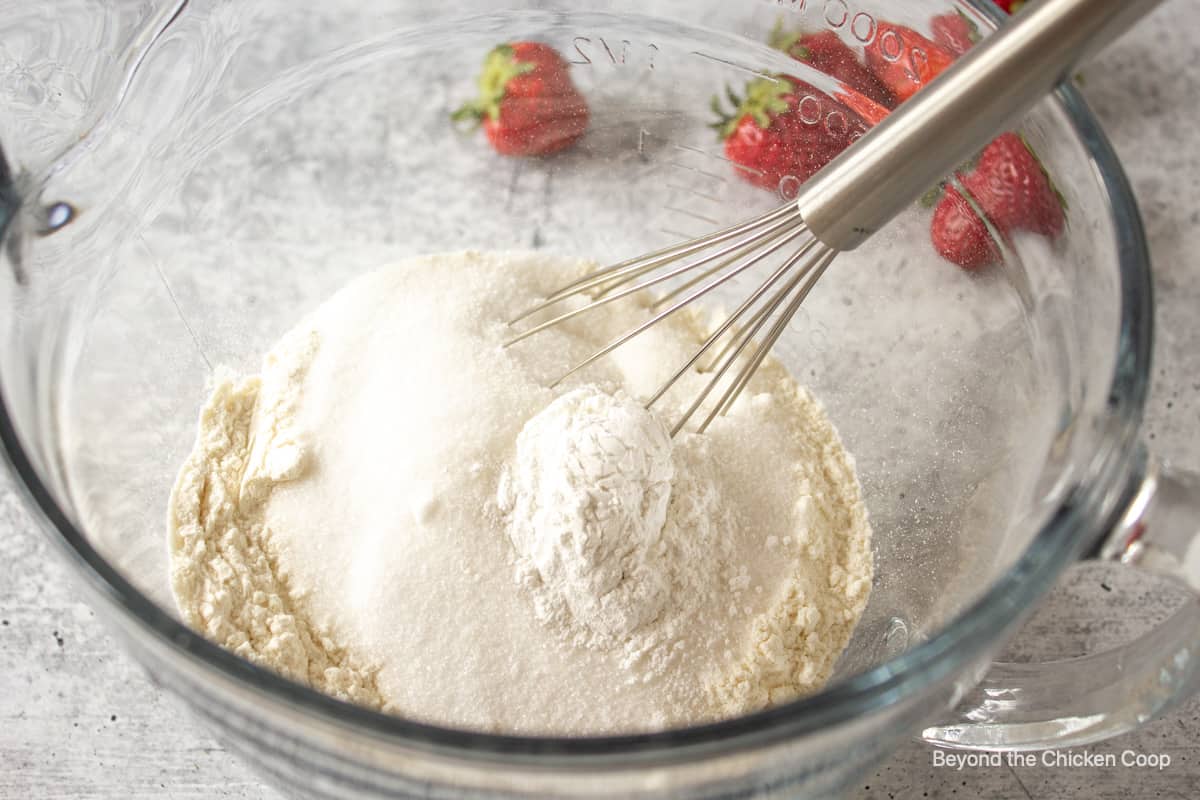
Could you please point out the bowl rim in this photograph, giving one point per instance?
(1059, 541)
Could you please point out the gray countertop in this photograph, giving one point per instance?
(79, 719)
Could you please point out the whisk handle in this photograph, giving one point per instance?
(944, 123)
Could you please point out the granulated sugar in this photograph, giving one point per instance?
(378, 519)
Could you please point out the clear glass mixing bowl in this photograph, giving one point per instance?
(187, 179)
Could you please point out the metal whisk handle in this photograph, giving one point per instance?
(857, 193)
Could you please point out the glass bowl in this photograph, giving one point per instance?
(222, 168)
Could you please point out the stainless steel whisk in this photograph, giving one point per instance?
(851, 198)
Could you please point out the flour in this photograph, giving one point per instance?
(586, 499)
(226, 583)
(355, 517)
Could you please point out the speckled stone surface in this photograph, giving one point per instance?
(79, 719)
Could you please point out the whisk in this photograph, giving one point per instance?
(848, 200)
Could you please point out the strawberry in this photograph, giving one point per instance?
(904, 59)
(784, 127)
(865, 107)
(826, 52)
(1014, 190)
(1011, 187)
(1010, 6)
(954, 31)
(527, 102)
(959, 235)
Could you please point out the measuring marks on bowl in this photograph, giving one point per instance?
(621, 52)
(696, 184)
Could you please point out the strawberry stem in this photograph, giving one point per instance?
(972, 28)
(931, 197)
(733, 97)
(764, 97)
(499, 67)
(781, 39)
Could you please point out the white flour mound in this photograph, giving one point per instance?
(400, 513)
(586, 499)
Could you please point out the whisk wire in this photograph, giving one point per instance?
(683, 287)
(731, 320)
(644, 263)
(746, 248)
(731, 394)
(779, 228)
(733, 341)
(744, 340)
(735, 254)
(622, 339)
(707, 263)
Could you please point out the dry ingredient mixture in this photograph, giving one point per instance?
(398, 512)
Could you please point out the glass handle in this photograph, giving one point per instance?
(1077, 701)
(1160, 530)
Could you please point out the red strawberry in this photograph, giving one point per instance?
(1011, 6)
(1014, 190)
(784, 127)
(904, 59)
(1010, 186)
(959, 235)
(826, 52)
(527, 102)
(954, 31)
(865, 107)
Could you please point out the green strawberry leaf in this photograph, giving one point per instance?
(781, 39)
(931, 197)
(764, 97)
(732, 97)
(499, 67)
